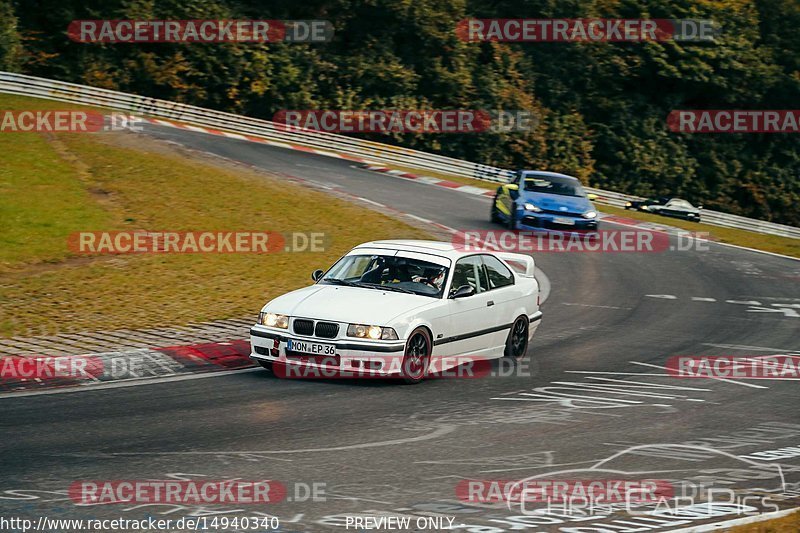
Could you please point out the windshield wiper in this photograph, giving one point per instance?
(337, 281)
(386, 287)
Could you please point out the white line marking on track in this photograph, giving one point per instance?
(736, 381)
(234, 136)
(367, 200)
(725, 244)
(745, 348)
(280, 145)
(645, 384)
(786, 311)
(327, 154)
(598, 306)
(719, 526)
(415, 217)
(703, 299)
(128, 383)
(485, 196)
(435, 434)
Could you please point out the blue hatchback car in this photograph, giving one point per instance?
(539, 200)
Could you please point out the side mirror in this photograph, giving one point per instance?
(317, 274)
(512, 187)
(700, 207)
(462, 292)
(592, 196)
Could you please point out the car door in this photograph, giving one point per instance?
(675, 208)
(471, 318)
(504, 295)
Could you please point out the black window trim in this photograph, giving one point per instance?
(510, 271)
(455, 264)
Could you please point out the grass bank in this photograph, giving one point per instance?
(55, 185)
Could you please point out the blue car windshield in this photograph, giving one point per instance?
(553, 185)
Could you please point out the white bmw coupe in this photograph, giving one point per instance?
(400, 309)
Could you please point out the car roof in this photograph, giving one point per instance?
(440, 248)
(552, 174)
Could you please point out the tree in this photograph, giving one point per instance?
(10, 44)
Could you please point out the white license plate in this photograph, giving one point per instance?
(564, 221)
(310, 348)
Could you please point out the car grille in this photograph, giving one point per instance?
(261, 350)
(581, 224)
(326, 330)
(304, 327)
(562, 213)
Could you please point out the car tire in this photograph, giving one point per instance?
(512, 224)
(417, 356)
(495, 216)
(517, 340)
(266, 365)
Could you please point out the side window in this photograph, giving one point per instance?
(469, 271)
(499, 275)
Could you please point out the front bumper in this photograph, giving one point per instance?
(354, 357)
(548, 221)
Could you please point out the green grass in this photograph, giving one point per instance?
(41, 199)
(787, 524)
(768, 243)
(57, 184)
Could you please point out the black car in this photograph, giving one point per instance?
(638, 205)
(664, 205)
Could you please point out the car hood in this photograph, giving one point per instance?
(348, 304)
(554, 202)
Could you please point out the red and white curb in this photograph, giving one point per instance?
(368, 165)
(377, 167)
(252, 138)
(460, 187)
(144, 364)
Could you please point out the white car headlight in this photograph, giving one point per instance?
(531, 207)
(273, 320)
(590, 214)
(371, 332)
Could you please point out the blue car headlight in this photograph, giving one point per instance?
(590, 214)
(531, 207)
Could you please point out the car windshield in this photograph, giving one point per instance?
(680, 203)
(389, 272)
(552, 185)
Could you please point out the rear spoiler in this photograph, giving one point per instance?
(522, 264)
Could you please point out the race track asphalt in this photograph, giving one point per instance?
(594, 388)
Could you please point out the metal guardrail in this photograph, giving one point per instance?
(23, 85)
